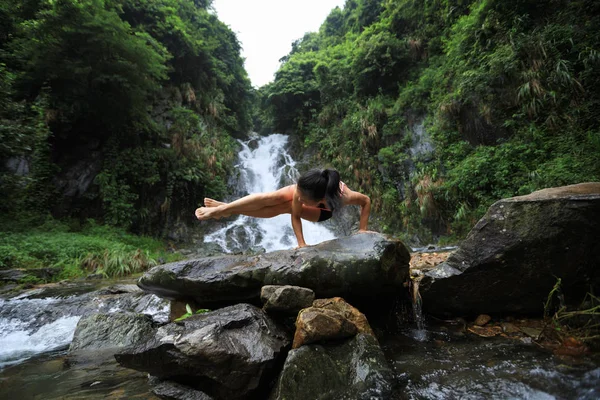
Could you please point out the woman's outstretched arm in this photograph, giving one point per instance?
(296, 221)
(358, 199)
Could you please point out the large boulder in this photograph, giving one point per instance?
(353, 369)
(352, 267)
(111, 331)
(225, 353)
(515, 254)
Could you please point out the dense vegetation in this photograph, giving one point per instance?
(508, 92)
(122, 111)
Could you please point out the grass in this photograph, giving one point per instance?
(580, 325)
(79, 250)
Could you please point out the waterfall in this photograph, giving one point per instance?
(264, 166)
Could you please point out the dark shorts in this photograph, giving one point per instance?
(325, 215)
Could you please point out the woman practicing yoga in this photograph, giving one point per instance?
(313, 198)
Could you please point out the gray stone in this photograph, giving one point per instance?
(174, 391)
(353, 267)
(286, 299)
(103, 331)
(226, 353)
(20, 274)
(120, 288)
(355, 369)
(513, 257)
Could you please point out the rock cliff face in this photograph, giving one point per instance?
(516, 253)
(355, 267)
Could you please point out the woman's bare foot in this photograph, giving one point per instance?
(212, 203)
(204, 213)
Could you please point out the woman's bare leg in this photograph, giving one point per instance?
(270, 212)
(250, 203)
(311, 214)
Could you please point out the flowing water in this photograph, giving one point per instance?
(450, 364)
(36, 328)
(264, 166)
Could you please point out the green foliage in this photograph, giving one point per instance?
(117, 262)
(143, 93)
(507, 91)
(190, 312)
(78, 251)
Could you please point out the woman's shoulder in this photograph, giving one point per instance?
(291, 189)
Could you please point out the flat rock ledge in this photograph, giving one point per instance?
(352, 267)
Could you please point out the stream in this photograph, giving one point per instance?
(442, 362)
(37, 327)
(430, 360)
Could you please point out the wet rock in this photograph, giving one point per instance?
(329, 319)
(102, 331)
(318, 324)
(352, 314)
(352, 267)
(509, 328)
(513, 256)
(174, 391)
(286, 299)
(225, 353)
(533, 333)
(485, 331)
(120, 288)
(354, 369)
(255, 250)
(482, 319)
(45, 305)
(20, 274)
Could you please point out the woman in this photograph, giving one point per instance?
(313, 198)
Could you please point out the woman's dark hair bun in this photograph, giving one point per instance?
(322, 184)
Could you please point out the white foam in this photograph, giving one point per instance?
(17, 344)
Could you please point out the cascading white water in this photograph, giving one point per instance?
(31, 325)
(266, 168)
